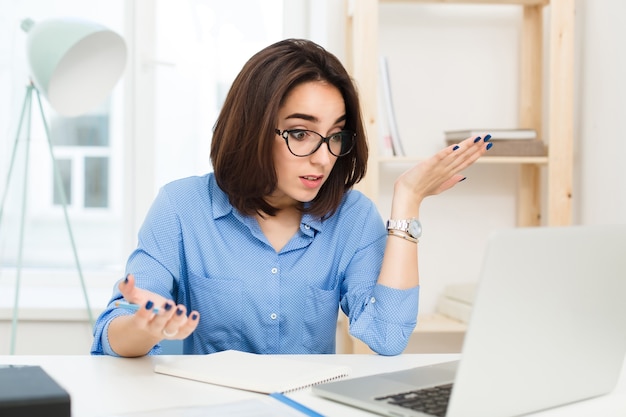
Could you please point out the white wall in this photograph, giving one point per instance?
(601, 107)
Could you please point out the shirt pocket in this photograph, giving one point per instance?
(219, 303)
(320, 319)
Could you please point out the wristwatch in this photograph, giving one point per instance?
(411, 228)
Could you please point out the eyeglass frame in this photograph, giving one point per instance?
(323, 139)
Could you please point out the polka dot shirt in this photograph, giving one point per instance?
(196, 249)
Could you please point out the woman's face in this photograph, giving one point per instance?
(316, 106)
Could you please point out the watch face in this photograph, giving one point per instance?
(415, 228)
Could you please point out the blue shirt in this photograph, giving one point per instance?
(196, 249)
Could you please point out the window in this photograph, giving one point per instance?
(82, 156)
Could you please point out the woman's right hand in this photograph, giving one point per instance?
(135, 335)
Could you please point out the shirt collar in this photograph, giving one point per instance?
(222, 207)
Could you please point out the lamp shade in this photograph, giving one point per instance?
(74, 63)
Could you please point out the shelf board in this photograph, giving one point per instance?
(518, 2)
(536, 160)
(437, 323)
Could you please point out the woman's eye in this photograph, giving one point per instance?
(298, 134)
(336, 137)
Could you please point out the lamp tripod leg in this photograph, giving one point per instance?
(26, 104)
(59, 186)
(18, 269)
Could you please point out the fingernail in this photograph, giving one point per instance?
(489, 145)
(194, 316)
(477, 139)
(487, 138)
(463, 179)
(179, 311)
(149, 305)
(455, 147)
(167, 306)
(126, 280)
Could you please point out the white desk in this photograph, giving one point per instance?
(102, 385)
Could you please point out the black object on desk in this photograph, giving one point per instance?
(30, 391)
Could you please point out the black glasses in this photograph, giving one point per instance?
(302, 142)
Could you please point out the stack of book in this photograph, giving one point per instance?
(456, 301)
(506, 142)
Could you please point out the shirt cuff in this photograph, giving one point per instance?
(401, 305)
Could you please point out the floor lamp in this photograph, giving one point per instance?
(74, 64)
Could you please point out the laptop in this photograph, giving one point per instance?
(548, 328)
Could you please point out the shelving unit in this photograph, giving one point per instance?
(362, 61)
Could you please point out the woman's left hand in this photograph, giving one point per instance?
(441, 171)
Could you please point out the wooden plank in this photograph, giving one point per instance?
(518, 2)
(531, 65)
(529, 196)
(561, 110)
(530, 111)
(505, 160)
(364, 48)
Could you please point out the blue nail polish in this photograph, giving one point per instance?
(194, 316)
(477, 139)
(167, 306)
(455, 147)
(149, 305)
(463, 179)
(487, 138)
(489, 145)
(126, 280)
(179, 311)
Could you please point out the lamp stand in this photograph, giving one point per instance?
(26, 113)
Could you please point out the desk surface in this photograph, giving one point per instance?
(102, 385)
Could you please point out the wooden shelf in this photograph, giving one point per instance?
(362, 62)
(512, 160)
(514, 2)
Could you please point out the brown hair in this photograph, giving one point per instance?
(244, 134)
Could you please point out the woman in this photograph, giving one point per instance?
(259, 255)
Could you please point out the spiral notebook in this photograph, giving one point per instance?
(252, 372)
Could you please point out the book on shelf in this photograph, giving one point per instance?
(496, 134)
(512, 147)
(385, 147)
(265, 374)
(456, 301)
(454, 309)
(388, 128)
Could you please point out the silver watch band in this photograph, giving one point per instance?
(402, 225)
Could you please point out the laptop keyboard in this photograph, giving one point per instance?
(433, 400)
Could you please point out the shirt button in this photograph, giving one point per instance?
(307, 227)
(372, 300)
(274, 270)
(273, 316)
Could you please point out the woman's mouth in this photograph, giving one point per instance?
(311, 181)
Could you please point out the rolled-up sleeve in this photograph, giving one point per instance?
(380, 316)
(387, 320)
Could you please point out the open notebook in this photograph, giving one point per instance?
(252, 372)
